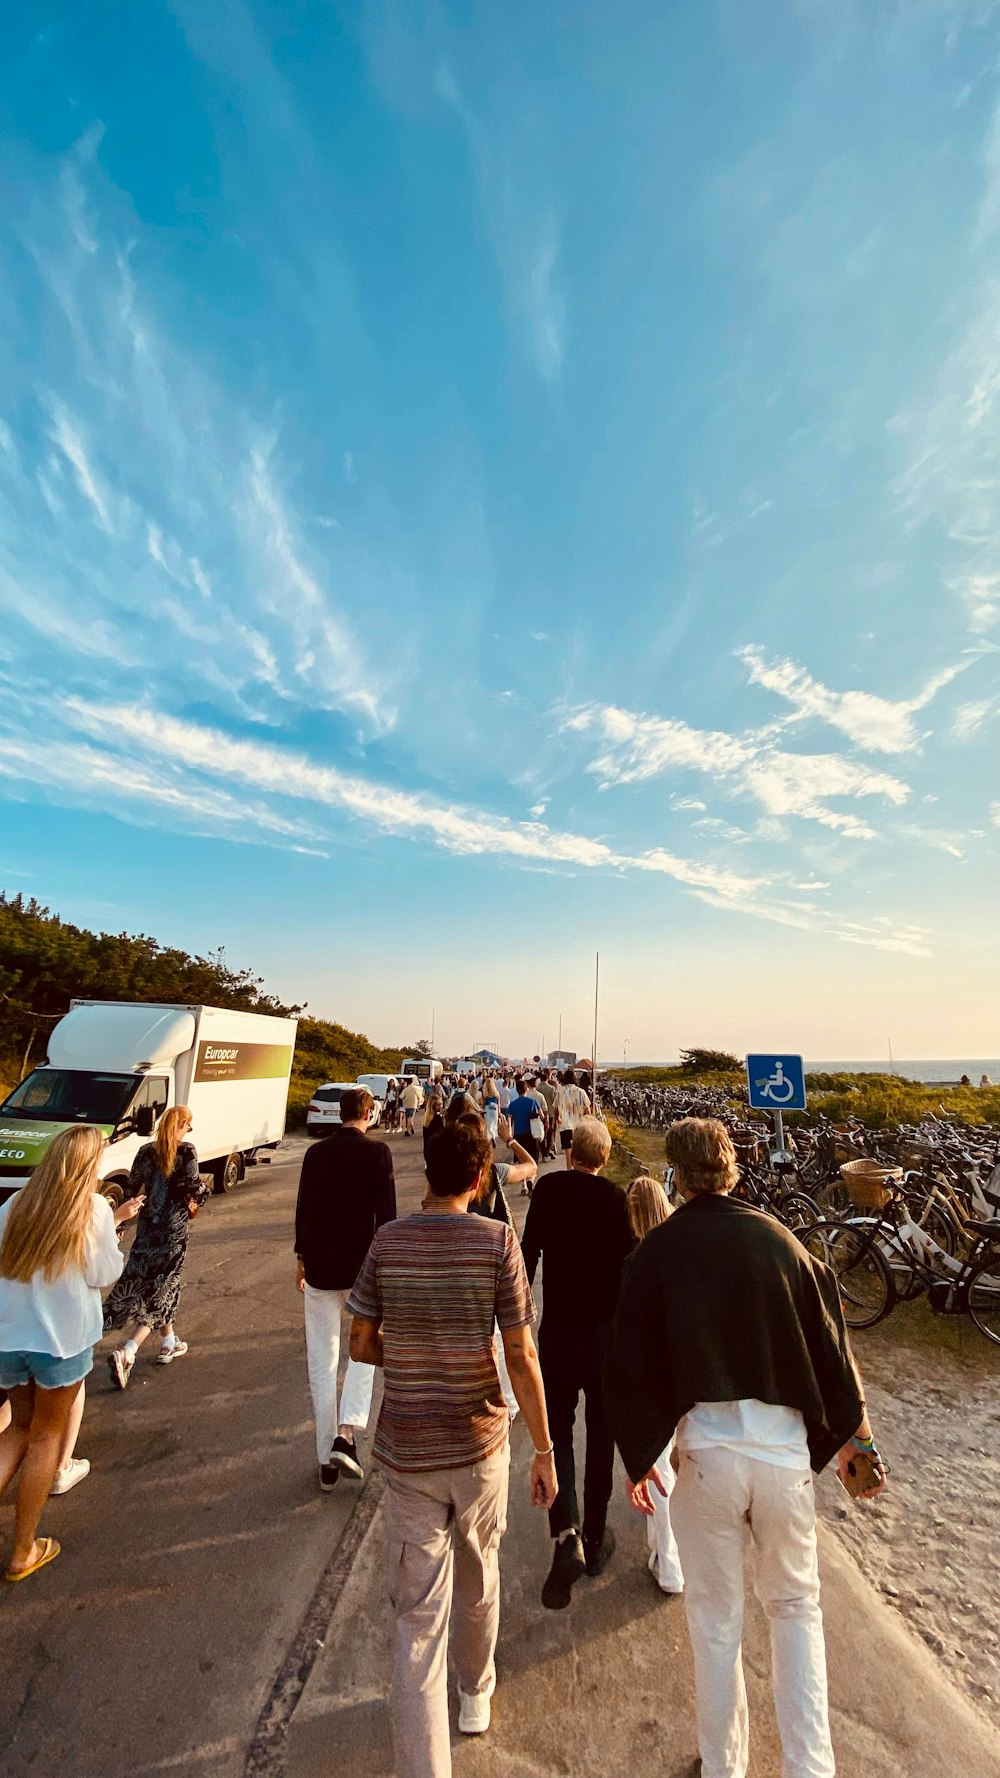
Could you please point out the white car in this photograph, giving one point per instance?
(323, 1112)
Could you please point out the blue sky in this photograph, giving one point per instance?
(483, 484)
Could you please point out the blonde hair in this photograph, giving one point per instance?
(648, 1205)
(169, 1137)
(434, 1106)
(591, 1142)
(49, 1220)
(702, 1152)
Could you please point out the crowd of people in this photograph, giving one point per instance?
(708, 1347)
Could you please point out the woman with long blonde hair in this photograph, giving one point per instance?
(58, 1251)
(648, 1206)
(166, 1171)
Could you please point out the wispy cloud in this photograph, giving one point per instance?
(879, 724)
(641, 747)
(524, 228)
(67, 437)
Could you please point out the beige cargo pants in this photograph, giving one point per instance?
(444, 1530)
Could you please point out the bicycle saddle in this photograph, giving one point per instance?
(989, 1230)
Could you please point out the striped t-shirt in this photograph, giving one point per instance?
(437, 1282)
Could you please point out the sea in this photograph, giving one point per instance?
(932, 1072)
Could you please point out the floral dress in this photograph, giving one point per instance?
(150, 1286)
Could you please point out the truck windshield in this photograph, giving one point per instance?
(72, 1095)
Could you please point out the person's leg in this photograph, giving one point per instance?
(73, 1426)
(599, 1472)
(322, 1318)
(662, 1542)
(419, 1524)
(50, 1416)
(359, 1383)
(480, 1501)
(14, 1438)
(709, 1509)
(783, 1523)
(561, 1393)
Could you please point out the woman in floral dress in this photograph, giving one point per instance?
(165, 1173)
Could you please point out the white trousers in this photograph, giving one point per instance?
(721, 1501)
(324, 1310)
(664, 1560)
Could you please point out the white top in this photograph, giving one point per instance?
(572, 1104)
(63, 1316)
(751, 1428)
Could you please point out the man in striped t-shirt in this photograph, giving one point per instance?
(424, 1307)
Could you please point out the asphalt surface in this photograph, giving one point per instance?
(192, 1551)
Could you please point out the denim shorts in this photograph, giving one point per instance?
(18, 1368)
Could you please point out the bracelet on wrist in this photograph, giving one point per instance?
(863, 1444)
(547, 1453)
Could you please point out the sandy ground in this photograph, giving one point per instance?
(933, 1391)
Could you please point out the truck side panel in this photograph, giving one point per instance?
(238, 1072)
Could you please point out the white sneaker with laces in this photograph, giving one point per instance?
(168, 1353)
(473, 1712)
(76, 1470)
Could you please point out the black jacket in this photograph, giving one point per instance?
(721, 1303)
(577, 1223)
(346, 1192)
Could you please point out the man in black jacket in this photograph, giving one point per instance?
(729, 1335)
(346, 1192)
(578, 1225)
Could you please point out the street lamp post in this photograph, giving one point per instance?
(625, 1053)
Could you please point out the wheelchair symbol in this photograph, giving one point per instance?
(777, 1087)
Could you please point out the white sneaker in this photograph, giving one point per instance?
(167, 1354)
(76, 1470)
(474, 1713)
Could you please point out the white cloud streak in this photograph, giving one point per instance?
(642, 747)
(870, 721)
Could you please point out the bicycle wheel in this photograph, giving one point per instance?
(984, 1297)
(866, 1284)
(798, 1211)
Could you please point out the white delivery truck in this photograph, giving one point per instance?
(119, 1064)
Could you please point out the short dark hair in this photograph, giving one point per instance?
(519, 1083)
(355, 1104)
(456, 1158)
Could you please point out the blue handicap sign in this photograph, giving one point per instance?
(776, 1083)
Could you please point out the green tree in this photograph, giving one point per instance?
(699, 1061)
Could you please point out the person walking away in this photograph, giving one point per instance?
(390, 1110)
(648, 1206)
(165, 1174)
(491, 1200)
(491, 1108)
(58, 1251)
(578, 1226)
(413, 1098)
(346, 1192)
(572, 1104)
(424, 1307)
(729, 1334)
(523, 1110)
(433, 1119)
(548, 1094)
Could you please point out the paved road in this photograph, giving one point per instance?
(192, 1551)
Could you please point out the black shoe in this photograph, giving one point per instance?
(328, 1477)
(567, 1567)
(344, 1457)
(598, 1555)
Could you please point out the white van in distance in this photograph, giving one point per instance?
(119, 1064)
(424, 1067)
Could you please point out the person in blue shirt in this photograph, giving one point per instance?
(520, 1112)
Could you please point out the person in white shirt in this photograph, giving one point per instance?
(58, 1251)
(572, 1105)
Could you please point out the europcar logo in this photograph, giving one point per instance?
(214, 1054)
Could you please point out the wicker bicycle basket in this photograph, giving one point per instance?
(868, 1182)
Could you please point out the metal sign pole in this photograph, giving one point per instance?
(593, 1078)
(779, 1132)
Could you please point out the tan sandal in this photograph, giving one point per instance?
(50, 1550)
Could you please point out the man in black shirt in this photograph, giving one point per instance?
(346, 1192)
(578, 1225)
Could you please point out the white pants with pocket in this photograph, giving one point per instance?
(324, 1312)
(723, 1501)
(664, 1560)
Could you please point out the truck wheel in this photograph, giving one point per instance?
(228, 1173)
(114, 1191)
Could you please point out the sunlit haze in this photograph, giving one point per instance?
(487, 484)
